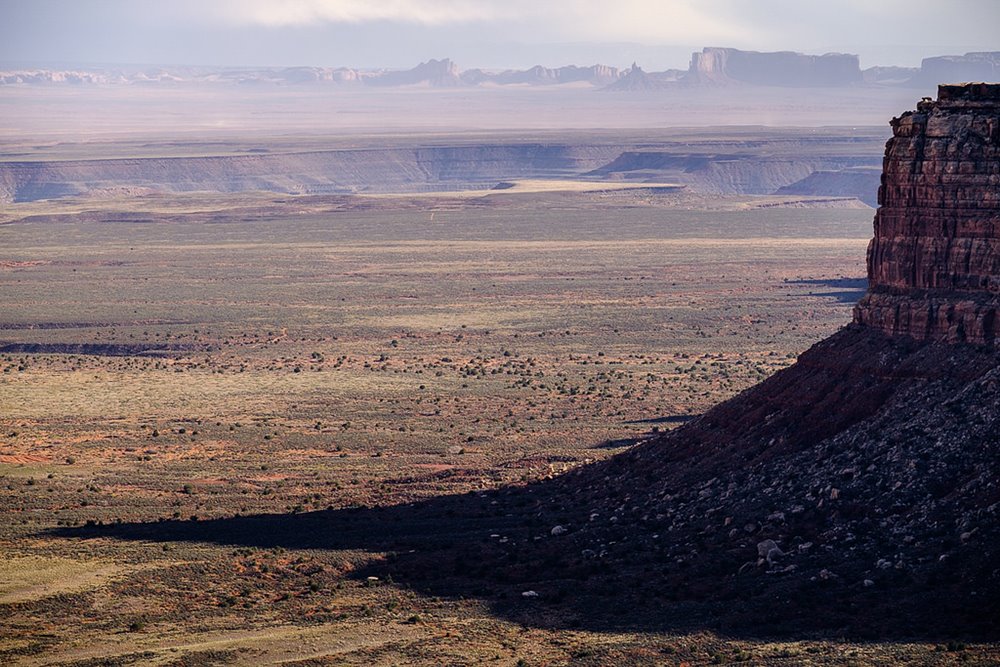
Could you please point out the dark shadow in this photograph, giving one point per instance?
(498, 545)
(845, 290)
(669, 419)
(618, 443)
(666, 536)
(105, 349)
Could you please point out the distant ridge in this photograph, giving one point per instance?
(437, 73)
(636, 79)
(712, 66)
(595, 75)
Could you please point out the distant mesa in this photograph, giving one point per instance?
(821, 165)
(712, 66)
(317, 75)
(976, 66)
(781, 68)
(594, 75)
(435, 73)
(860, 182)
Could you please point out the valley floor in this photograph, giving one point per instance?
(221, 416)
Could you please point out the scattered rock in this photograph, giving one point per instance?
(767, 551)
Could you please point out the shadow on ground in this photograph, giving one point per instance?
(844, 290)
(498, 545)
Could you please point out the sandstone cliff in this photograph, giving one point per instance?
(934, 264)
(857, 490)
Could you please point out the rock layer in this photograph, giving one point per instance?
(934, 263)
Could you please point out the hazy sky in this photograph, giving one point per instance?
(483, 33)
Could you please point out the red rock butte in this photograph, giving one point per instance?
(934, 263)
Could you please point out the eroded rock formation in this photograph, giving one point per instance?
(934, 263)
(856, 490)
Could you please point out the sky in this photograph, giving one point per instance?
(494, 34)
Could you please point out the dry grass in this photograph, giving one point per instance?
(365, 358)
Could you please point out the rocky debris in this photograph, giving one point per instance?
(934, 264)
(768, 552)
(864, 477)
(870, 465)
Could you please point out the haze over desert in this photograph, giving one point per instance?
(481, 333)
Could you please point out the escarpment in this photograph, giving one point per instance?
(857, 490)
(934, 263)
(757, 164)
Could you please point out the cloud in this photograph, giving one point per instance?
(279, 13)
(663, 21)
(628, 20)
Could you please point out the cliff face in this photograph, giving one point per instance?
(412, 168)
(856, 490)
(934, 263)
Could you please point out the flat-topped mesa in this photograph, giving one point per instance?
(934, 263)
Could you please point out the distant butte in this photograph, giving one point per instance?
(712, 66)
(781, 68)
